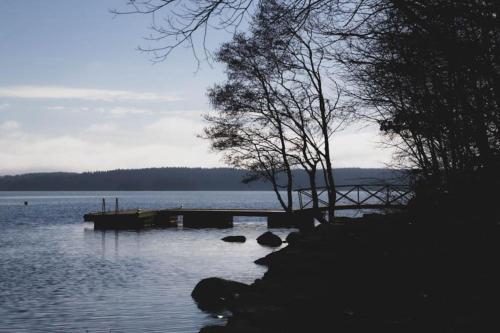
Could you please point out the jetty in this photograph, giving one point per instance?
(349, 197)
(191, 218)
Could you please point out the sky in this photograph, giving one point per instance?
(77, 95)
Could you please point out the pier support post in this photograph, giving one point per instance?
(207, 220)
(165, 220)
(283, 220)
(291, 220)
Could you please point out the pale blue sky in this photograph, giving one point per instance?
(76, 95)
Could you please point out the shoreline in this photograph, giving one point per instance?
(376, 273)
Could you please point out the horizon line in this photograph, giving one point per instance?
(168, 167)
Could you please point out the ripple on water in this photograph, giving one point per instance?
(58, 276)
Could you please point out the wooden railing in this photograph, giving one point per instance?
(359, 196)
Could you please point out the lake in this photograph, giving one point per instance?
(59, 275)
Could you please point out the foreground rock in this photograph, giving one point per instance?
(376, 277)
(293, 237)
(216, 294)
(269, 239)
(235, 239)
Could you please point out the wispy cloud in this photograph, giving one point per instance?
(101, 128)
(55, 108)
(121, 111)
(56, 92)
(4, 106)
(108, 143)
(104, 146)
(10, 125)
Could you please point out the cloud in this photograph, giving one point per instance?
(168, 141)
(360, 147)
(55, 108)
(4, 106)
(107, 145)
(10, 125)
(194, 115)
(180, 129)
(55, 92)
(101, 128)
(122, 111)
(165, 114)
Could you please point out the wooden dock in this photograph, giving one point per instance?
(191, 218)
(207, 218)
(129, 219)
(351, 197)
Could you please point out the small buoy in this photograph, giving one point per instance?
(26, 203)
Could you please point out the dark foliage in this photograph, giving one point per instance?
(431, 70)
(428, 72)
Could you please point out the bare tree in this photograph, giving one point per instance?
(176, 23)
(278, 85)
(251, 135)
(426, 71)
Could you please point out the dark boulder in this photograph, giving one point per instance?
(214, 329)
(293, 237)
(264, 261)
(216, 294)
(269, 239)
(234, 239)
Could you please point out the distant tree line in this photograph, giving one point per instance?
(176, 179)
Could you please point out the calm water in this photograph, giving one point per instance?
(59, 275)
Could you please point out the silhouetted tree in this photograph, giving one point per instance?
(251, 136)
(280, 105)
(187, 22)
(431, 71)
(426, 72)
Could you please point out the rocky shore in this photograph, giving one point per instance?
(373, 274)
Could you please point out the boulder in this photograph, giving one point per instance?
(234, 239)
(293, 237)
(214, 329)
(269, 239)
(216, 294)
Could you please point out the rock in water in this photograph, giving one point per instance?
(293, 237)
(234, 239)
(269, 239)
(213, 329)
(216, 294)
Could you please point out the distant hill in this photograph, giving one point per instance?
(175, 179)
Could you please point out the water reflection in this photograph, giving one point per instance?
(116, 243)
(103, 241)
